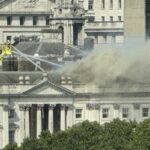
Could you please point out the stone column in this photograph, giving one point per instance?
(1, 127)
(93, 111)
(136, 109)
(21, 124)
(71, 34)
(27, 134)
(51, 119)
(116, 111)
(62, 116)
(69, 115)
(5, 124)
(39, 120)
(1, 137)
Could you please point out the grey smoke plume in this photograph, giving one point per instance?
(128, 63)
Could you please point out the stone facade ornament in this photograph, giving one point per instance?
(136, 106)
(116, 106)
(91, 106)
(39, 106)
(51, 106)
(69, 106)
(5, 107)
(22, 107)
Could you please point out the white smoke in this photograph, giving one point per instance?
(129, 63)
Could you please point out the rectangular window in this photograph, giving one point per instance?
(11, 113)
(105, 113)
(35, 20)
(125, 112)
(9, 20)
(11, 136)
(103, 4)
(78, 113)
(90, 6)
(103, 19)
(119, 18)
(8, 38)
(22, 20)
(120, 3)
(47, 20)
(111, 18)
(91, 19)
(145, 112)
(111, 4)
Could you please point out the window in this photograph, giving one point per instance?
(103, 19)
(111, 4)
(105, 113)
(111, 18)
(35, 20)
(91, 19)
(9, 20)
(11, 136)
(119, 18)
(120, 4)
(145, 112)
(78, 113)
(47, 20)
(103, 4)
(11, 113)
(8, 38)
(125, 112)
(90, 6)
(22, 20)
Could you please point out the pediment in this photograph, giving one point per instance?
(23, 5)
(47, 88)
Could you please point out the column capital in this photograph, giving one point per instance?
(39, 106)
(51, 106)
(6, 107)
(27, 107)
(22, 107)
(63, 106)
(70, 106)
(92, 106)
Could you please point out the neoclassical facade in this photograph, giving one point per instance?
(27, 108)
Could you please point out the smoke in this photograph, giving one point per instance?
(128, 63)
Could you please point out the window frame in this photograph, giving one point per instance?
(106, 113)
(9, 20)
(11, 136)
(78, 113)
(143, 113)
(125, 112)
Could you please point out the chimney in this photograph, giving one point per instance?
(21, 80)
(45, 76)
(69, 80)
(27, 80)
(63, 80)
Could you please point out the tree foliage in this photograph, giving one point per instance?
(116, 135)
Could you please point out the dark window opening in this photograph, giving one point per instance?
(22, 20)
(35, 20)
(11, 136)
(47, 20)
(90, 6)
(9, 20)
(11, 113)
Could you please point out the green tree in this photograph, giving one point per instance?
(141, 138)
(12, 146)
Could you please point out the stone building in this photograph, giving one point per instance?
(68, 21)
(31, 102)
